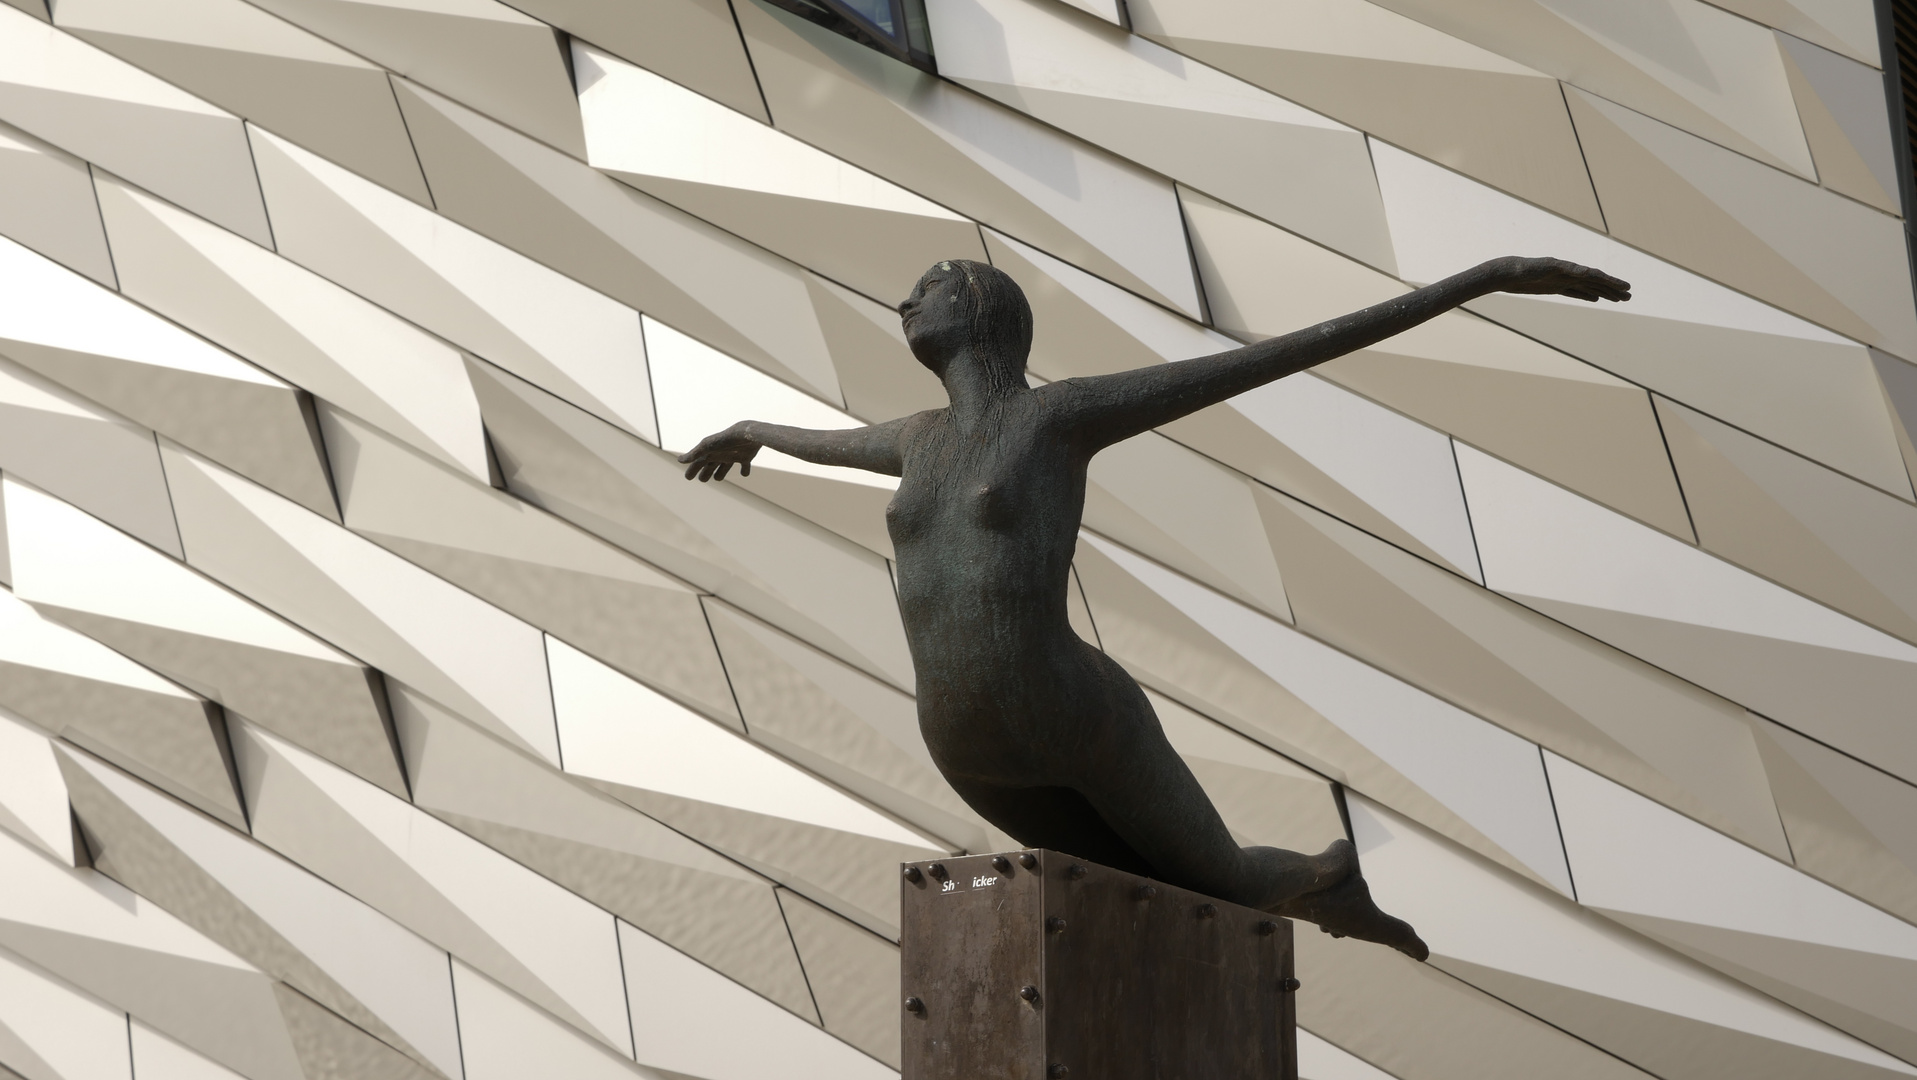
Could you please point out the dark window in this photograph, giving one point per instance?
(894, 27)
(1897, 27)
(1900, 63)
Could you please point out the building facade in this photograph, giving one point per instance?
(377, 700)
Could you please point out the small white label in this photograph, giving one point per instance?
(982, 882)
(948, 886)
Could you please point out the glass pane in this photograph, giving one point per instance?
(877, 12)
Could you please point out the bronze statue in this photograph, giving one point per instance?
(1043, 734)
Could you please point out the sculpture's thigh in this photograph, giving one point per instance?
(1144, 792)
(1052, 817)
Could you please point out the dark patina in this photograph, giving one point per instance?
(1043, 965)
(1041, 733)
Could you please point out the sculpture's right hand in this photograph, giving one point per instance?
(717, 454)
(1556, 277)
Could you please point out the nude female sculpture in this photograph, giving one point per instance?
(1040, 732)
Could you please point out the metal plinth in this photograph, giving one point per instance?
(1033, 964)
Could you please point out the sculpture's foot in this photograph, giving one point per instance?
(1347, 910)
(1335, 864)
(1282, 876)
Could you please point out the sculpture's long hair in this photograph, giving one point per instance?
(1000, 320)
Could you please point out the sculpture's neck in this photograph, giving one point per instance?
(973, 384)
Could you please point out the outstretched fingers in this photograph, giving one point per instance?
(716, 454)
(696, 461)
(1597, 285)
(1557, 277)
(706, 469)
(1583, 282)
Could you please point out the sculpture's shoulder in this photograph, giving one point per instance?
(918, 425)
(1057, 401)
(1059, 409)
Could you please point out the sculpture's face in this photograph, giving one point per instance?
(934, 326)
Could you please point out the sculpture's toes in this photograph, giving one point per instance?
(1347, 910)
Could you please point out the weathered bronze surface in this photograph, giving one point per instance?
(1040, 732)
(1100, 975)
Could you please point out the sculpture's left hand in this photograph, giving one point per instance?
(717, 454)
(1555, 277)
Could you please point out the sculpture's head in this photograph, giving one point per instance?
(962, 308)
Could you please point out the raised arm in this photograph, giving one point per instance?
(1105, 409)
(874, 448)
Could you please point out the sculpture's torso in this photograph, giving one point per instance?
(984, 525)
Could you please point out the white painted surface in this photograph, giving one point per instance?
(1466, 910)
(1540, 540)
(687, 1018)
(613, 728)
(643, 125)
(387, 968)
(33, 794)
(65, 557)
(47, 304)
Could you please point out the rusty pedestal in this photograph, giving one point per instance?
(1033, 964)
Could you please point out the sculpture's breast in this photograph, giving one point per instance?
(992, 502)
(913, 510)
(996, 481)
(954, 484)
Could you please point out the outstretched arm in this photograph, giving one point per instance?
(1105, 409)
(874, 449)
